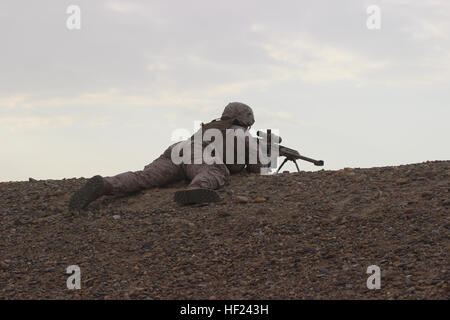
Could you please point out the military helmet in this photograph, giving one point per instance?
(241, 112)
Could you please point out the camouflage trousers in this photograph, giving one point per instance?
(163, 171)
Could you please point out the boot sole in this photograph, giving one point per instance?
(84, 196)
(196, 196)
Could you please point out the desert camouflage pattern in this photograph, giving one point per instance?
(240, 112)
(163, 171)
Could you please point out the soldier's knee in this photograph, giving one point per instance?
(212, 177)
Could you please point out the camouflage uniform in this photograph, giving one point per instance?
(163, 171)
(204, 178)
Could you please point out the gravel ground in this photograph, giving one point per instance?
(308, 235)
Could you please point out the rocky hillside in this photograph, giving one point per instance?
(308, 235)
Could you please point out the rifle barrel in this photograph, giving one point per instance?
(316, 162)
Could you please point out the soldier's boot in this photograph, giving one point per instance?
(195, 195)
(94, 188)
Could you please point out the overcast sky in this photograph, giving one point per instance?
(106, 98)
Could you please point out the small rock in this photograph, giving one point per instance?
(147, 245)
(420, 288)
(32, 180)
(58, 192)
(260, 199)
(223, 214)
(240, 199)
(263, 211)
(323, 270)
(116, 217)
(402, 181)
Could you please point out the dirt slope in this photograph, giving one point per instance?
(288, 236)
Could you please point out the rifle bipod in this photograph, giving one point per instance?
(286, 160)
